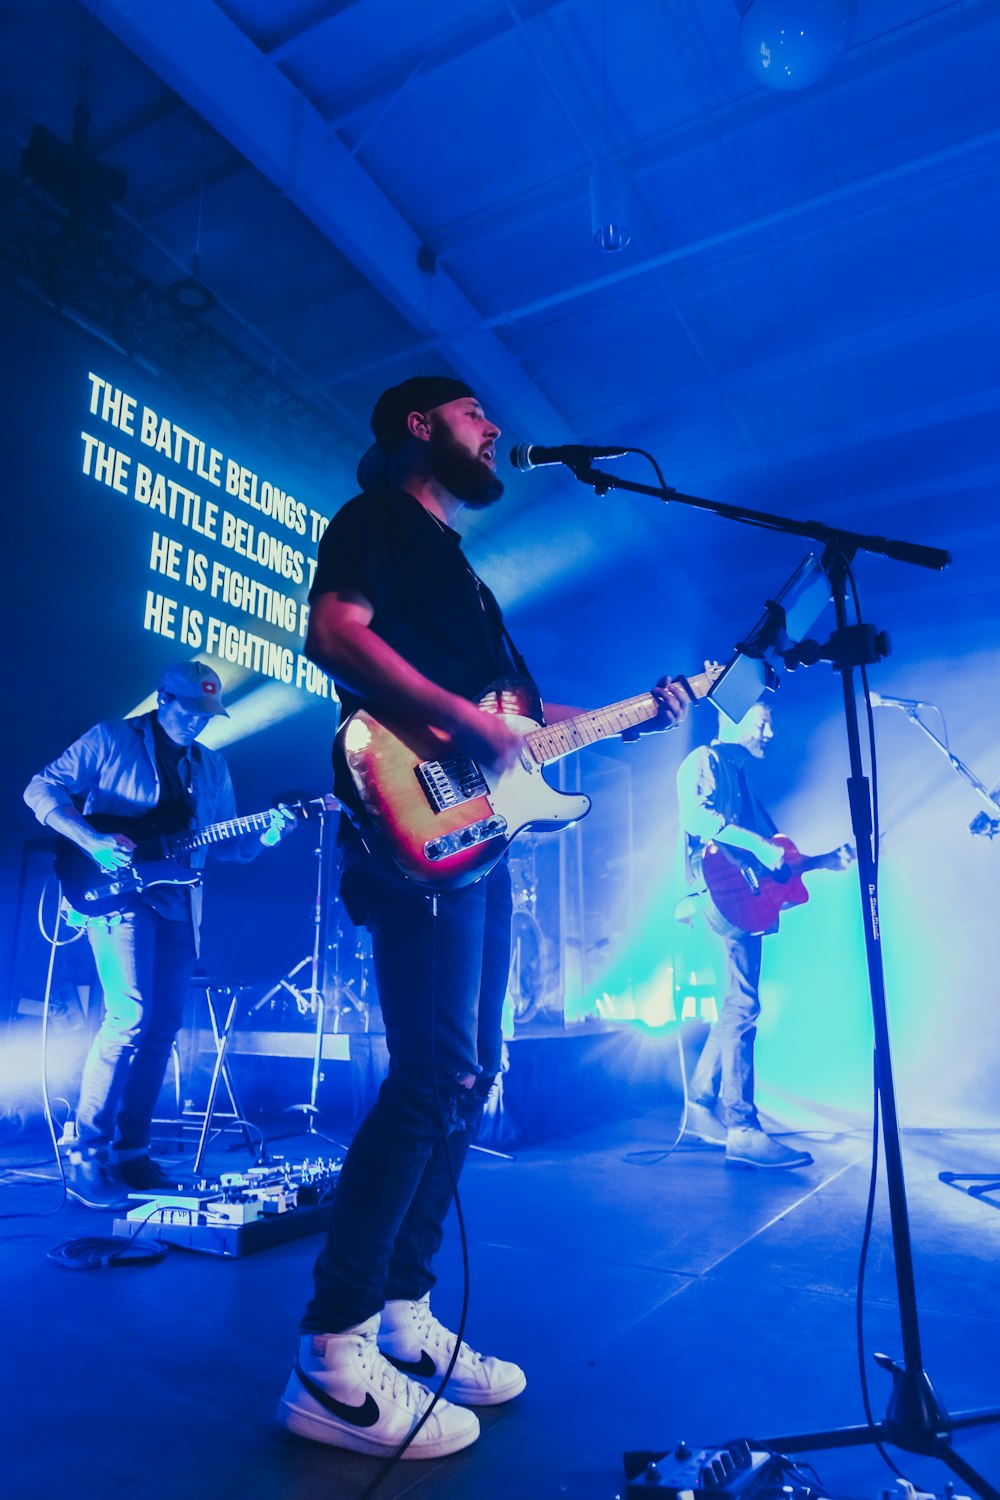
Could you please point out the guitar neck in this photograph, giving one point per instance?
(220, 833)
(814, 861)
(552, 741)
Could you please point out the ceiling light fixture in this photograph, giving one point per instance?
(190, 294)
(608, 197)
(608, 189)
(791, 44)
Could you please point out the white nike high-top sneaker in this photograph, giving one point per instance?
(344, 1392)
(418, 1345)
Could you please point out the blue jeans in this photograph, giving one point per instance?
(724, 1075)
(441, 985)
(144, 963)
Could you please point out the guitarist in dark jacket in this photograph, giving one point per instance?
(130, 769)
(406, 628)
(717, 804)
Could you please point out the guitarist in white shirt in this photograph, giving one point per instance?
(145, 953)
(718, 807)
(406, 628)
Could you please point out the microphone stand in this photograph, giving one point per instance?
(915, 1420)
(957, 765)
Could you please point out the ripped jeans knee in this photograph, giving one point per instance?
(466, 1102)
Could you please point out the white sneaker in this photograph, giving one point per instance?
(704, 1123)
(342, 1391)
(417, 1344)
(752, 1148)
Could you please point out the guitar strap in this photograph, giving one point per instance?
(753, 813)
(520, 665)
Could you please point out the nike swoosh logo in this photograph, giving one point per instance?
(365, 1415)
(420, 1368)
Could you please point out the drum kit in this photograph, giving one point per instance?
(332, 987)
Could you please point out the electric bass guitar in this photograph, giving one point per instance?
(752, 897)
(444, 820)
(158, 858)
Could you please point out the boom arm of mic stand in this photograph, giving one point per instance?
(845, 541)
(957, 765)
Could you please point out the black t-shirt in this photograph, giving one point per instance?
(175, 808)
(427, 602)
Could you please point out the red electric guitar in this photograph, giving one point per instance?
(752, 897)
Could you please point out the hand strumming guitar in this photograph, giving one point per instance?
(110, 851)
(484, 736)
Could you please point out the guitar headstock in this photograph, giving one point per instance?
(700, 684)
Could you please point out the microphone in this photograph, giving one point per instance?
(528, 456)
(879, 700)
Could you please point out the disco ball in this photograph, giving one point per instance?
(790, 44)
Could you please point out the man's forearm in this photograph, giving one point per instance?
(71, 824)
(742, 838)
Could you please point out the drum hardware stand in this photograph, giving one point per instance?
(915, 1421)
(220, 1071)
(312, 999)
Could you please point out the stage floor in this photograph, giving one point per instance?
(675, 1299)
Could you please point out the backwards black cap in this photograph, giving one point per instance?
(388, 421)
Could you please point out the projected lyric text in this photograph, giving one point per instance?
(232, 554)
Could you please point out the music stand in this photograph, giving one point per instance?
(915, 1420)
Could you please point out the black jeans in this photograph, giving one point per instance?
(441, 984)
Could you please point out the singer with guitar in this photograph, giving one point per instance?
(741, 874)
(423, 662)
(136, 774)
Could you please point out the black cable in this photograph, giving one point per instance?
(54, 945)
(656, 468)
(94, 1252)
(654, 1155)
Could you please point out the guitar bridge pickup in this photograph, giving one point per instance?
(130, 886)
(465, 838)
(449, 783)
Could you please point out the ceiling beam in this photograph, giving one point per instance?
(218, 72)
(723, 121)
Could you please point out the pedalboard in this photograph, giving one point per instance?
(238, 1214)
(709, 1473)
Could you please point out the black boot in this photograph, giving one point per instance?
(144, 1175)
(95, 1182)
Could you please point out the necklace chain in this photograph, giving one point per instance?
(468, 566)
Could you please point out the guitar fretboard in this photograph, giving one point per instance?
(552, 741)
(219, 833)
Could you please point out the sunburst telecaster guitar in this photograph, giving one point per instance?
(444, 820)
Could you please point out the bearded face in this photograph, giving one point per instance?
(464, 465)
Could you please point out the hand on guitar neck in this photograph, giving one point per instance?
(837, 859)
(482, 733)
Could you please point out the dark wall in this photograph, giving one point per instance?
(82, 645)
